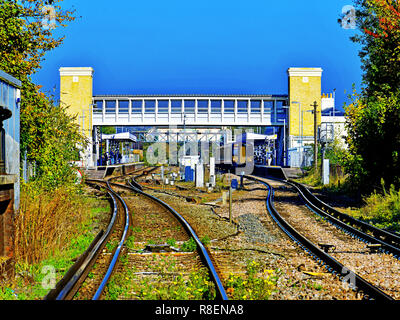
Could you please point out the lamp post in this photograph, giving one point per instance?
(184, 131)
(315, 105)
(334, 102)
(284, 137)
(300, 134)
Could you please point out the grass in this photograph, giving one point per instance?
(52, 231)
(381, 209)
(337, 184)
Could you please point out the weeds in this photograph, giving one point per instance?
(46, 223)
(381, 209)
(169, 285)
(189, 246)
(52, 230)
(257, 284)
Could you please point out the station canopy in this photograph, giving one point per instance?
(255, 137)
(123, 136)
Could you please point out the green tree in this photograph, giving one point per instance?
(373, 116)
(374, 141)
(49, 136)
(108, 130)
(379, 24)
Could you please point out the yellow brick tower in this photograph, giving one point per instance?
(76, 92)
(304, 89)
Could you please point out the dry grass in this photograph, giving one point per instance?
(46, 224)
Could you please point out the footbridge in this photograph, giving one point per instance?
(189, 110)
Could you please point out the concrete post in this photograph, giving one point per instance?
(212, 171)
(325, 171)
(199, 175)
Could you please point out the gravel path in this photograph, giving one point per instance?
(253, 229)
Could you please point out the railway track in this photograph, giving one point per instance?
(72, 282)
(331, 263)
(202, 250)
(388, 242)
(117, 228)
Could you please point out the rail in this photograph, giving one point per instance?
(331, 264)
(67, 287)
(204, 254)
(386, 238)
(349, 224)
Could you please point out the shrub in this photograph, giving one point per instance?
(47, 222)
(382, 209)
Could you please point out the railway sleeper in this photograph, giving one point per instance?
(374, 248)
(326, 247)
(160, 248)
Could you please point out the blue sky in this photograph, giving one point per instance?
(208, 46)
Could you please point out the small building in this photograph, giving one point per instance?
(9, 166)
(334, 127)
(119, 148)
(333, 122)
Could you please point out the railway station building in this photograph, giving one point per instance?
(9, 167)
(199, 117)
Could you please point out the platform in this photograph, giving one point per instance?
(293, 173)
(269, 171)
(101, 172)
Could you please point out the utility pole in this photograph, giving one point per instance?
(230, 198)
(315, 105)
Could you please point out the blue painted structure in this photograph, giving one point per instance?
(189, 174)
(10, 97)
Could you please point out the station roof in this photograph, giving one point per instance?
(255, 137)
(127, 136)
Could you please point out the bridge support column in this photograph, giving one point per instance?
(304, 89)
(76, 92)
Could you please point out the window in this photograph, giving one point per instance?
(98, 106)
(202, 106)
(162, 106)
(216, 106)
(176, 106)
(242, 106)
(189, 106)
(150, 106)
(268, 106)
(123, 106)
(255, 106)
(281, 110)
(136, 106)
(281, 103)
(229, 106)
(110, 106)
